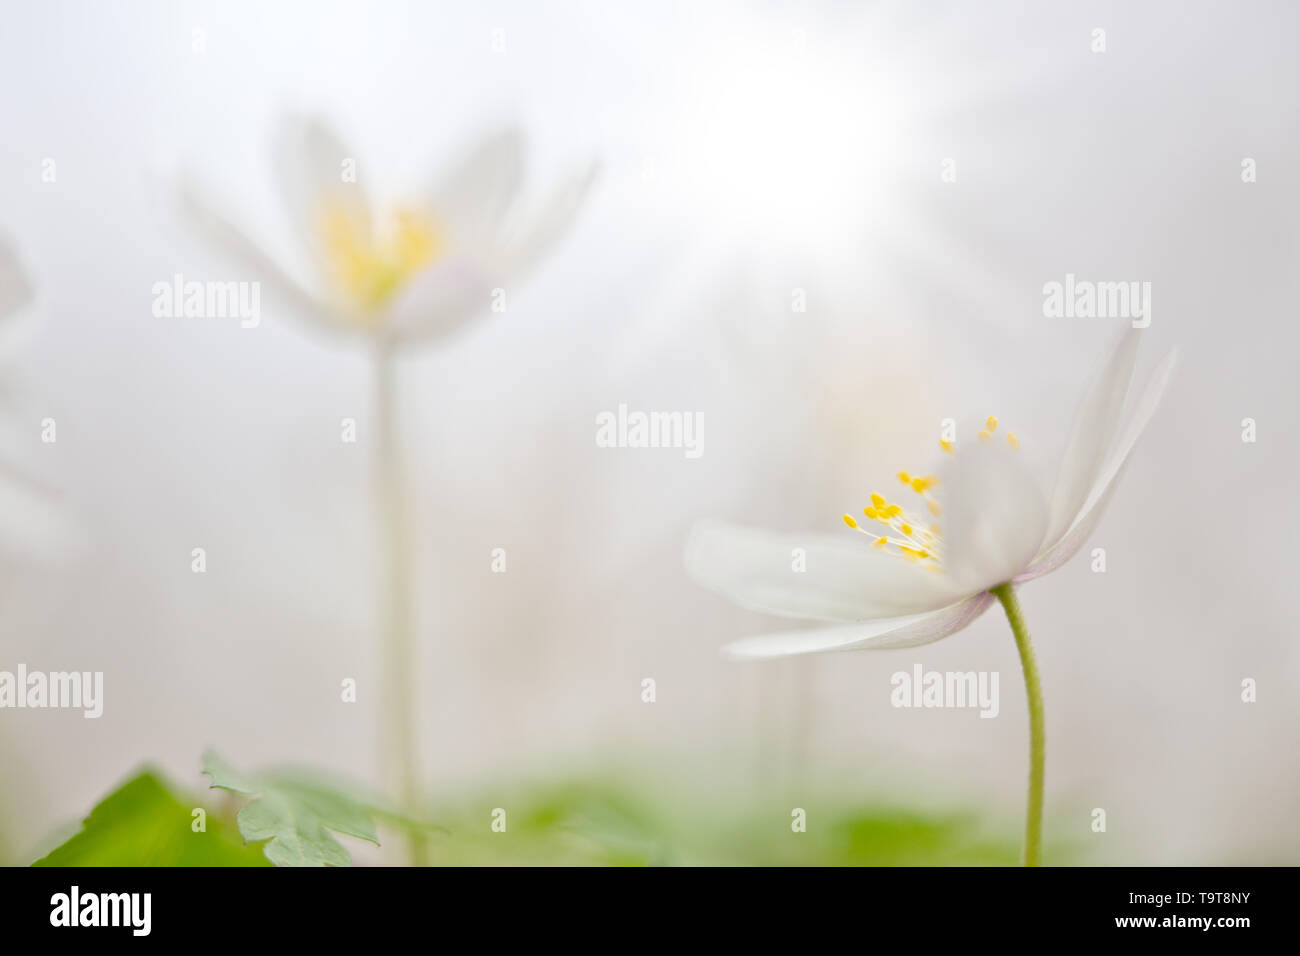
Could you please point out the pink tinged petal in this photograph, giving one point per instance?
(1098, 497)
(845, 579)
(203, 215)
(994, 515)
(1092, 432)
(472, 200)
(309, 171)
(884, 634)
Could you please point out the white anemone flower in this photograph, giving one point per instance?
(413, 273)
(914, 571)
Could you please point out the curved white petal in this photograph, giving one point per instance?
(440, 301)
(15, 289)
(994, 515)
(524, 247)
(18, 323)
(203, 214)
(844, 579)
(34, 524)
(1091, 434)
(308, 159)
(910, 631)
(471, 201)
(1099, 495)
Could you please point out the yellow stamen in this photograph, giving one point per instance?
(1012, 440)
(991, 423)
(985, 436)
(368, 269)
(880, 543)
(904, 477)
(878, 501)
(906, 529)
(848, 520)
(946, 445)
(936, 509)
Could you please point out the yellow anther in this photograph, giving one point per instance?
(935, 529)
(985, 436)
(904, 477)
(945, 445)
(1012, 440)
(880, 543)
(923, 484)
(893, 511)
(991, 423)
(906, 529)
(370, 269)
(848, 520)
(871, 513)
(936, 509)
(878, 501)
(914, 554)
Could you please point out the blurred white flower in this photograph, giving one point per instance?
(412, 273)
(32, 522)
(918, 581)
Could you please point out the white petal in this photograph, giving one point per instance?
(15, 290)
(1090, 437)
(203, 214)
(525, 247)
(308, 158)
(471, 201)
(439, 301)
(845, 578)
(994, 515)
(34, 524)
(1099, 495)
(910, 631)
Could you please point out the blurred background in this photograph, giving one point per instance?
(749, 153)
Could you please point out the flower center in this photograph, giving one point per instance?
(909, 533)
(370, 270)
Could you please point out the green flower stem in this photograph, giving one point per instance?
(1037, 736)
(397, 613)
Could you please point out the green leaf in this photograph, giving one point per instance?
(142, 823)
(295, 813)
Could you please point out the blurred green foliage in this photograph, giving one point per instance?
(620, 823)
(142, 823)
(295, 812)
(592, 821)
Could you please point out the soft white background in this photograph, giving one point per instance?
(746, 150)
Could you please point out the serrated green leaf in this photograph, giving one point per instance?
(226, 777)
(296, 813)
(143, 823)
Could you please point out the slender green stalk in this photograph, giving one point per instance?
(397, 615)
(1037, 735)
